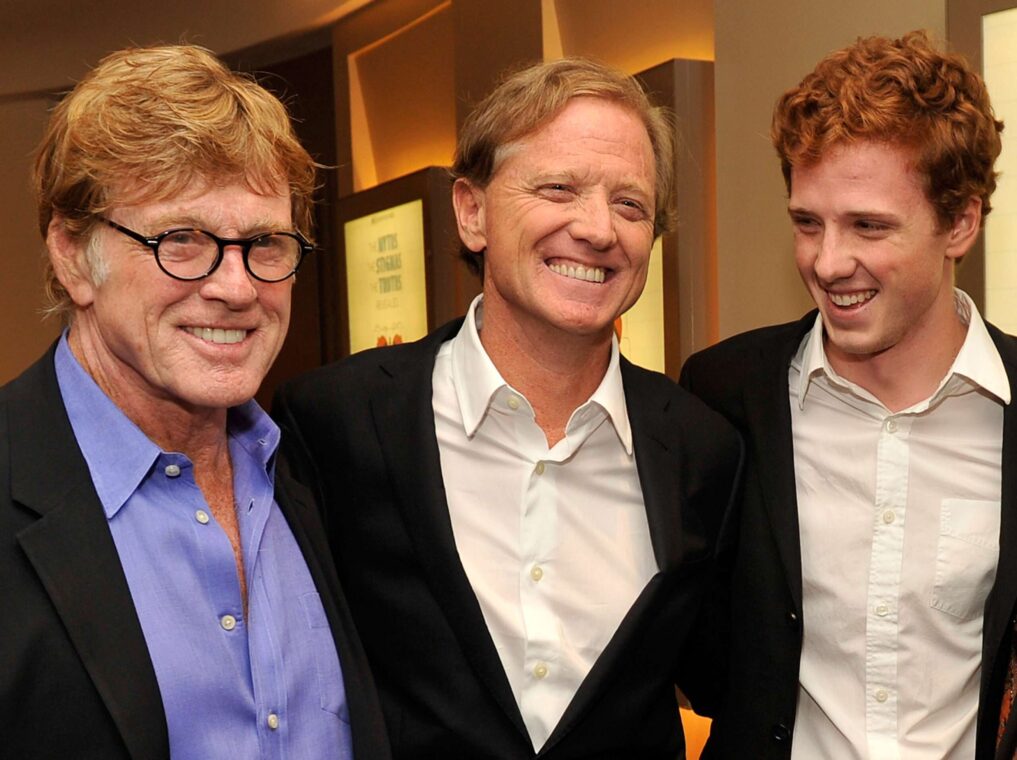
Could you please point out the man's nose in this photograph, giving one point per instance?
(231, 282)
(834, 257)
(594, 223)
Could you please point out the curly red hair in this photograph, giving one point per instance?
(904, 92)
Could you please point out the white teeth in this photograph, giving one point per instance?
(579, 272)
(850, 299)
(217, 334)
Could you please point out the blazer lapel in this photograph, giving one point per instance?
(999, 609)
(770, 447)
(658, 469)
(404, 421)
(656, 463)
(72, 551)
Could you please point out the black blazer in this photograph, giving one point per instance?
(367, 430)
(76, 680)
(745, 378)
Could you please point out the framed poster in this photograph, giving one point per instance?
(397, 275)
(386, 283)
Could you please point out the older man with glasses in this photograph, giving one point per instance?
(167, 587)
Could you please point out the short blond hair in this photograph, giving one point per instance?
(528, 99)
(152, 122)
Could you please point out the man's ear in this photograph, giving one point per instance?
(964, 230)
(468, 201)
(70, 262)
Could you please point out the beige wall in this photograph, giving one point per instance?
(762, 49)
(21, 255)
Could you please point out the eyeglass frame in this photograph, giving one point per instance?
(245, 245)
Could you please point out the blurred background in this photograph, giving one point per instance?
(379, 87)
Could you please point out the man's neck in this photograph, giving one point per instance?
(908, 372)
(199, 434)
(556, 371)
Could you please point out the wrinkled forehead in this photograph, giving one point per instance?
(189, 184)
(517, 139)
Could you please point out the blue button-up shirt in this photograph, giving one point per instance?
(265, 685)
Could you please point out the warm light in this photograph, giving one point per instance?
(697, 731)
(402, 100)
(641, 337)
(645, 34)
(999, 55)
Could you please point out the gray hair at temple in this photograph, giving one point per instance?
(528, 99)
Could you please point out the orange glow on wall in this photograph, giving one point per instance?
(645, 34)
(402, 100)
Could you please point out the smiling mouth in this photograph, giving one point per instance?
(579, 272)
(217, 334)
(851, 299)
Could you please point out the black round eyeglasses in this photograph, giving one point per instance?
(188, 253)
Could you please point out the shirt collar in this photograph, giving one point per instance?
(978, 360)
(118, 454)
(475, 380)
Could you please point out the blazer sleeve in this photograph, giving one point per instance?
(703, 665)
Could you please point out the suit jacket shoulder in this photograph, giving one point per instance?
(363, 430)
(720, 373)
(75, 677)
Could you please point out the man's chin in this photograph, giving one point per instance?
(218, 395)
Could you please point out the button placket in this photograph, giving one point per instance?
(884, 576)
(538, 538)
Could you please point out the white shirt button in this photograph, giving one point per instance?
(513, 403)
(202, 516)
(891, 426)
(889, 516)
(881, 695)
(273, 721)
(228, 622)
(536, 573)
(540, 670)
(882, 610)
(540, 468)
(172, 471)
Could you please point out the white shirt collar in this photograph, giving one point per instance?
(978, 360)
(476, 380)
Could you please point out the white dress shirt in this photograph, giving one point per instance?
(899, 517)
(555, 542)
